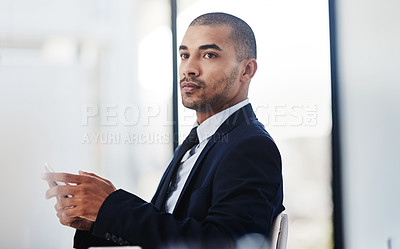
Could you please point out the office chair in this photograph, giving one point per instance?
(279, 232)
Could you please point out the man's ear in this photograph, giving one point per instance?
(250, 68)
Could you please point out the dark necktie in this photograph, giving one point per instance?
(190, 141)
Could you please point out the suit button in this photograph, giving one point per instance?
(108, 236)
(126, 243)
(114, 238)
(120, 241)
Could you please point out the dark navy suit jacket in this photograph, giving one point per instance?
(235, 188)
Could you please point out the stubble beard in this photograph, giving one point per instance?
(213, 104)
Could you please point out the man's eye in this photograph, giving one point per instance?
(210, 55)
(184, 56)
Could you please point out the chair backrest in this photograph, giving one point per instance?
(279, 232)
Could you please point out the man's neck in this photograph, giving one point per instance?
(206, 114)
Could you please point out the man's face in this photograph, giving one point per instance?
(209, 69)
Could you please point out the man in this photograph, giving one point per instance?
(227, 186)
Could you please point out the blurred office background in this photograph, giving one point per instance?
(88, 85)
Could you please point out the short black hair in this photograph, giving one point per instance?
(242, 34)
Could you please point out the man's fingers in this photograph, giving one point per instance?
(76, 212)
(64, 203)
(60, 190)
(66, 221)
(51, 184)
(63, 177)
(86, 197)
(83, 173)
(71, 212)
(75, 222)
(112, 188)
(87, 173)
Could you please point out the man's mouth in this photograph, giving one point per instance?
(189, 86)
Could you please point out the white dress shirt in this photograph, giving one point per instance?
(204, 132)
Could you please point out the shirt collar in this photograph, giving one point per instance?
(211, 125)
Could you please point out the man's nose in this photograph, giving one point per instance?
(190, 68)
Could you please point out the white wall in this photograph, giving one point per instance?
(368, 43)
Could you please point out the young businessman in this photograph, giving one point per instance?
(224, 181)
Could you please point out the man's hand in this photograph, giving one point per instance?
(86, 192)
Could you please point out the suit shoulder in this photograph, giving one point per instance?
(250, 139)
(252, 129)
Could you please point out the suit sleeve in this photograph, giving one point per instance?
(246, 196)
